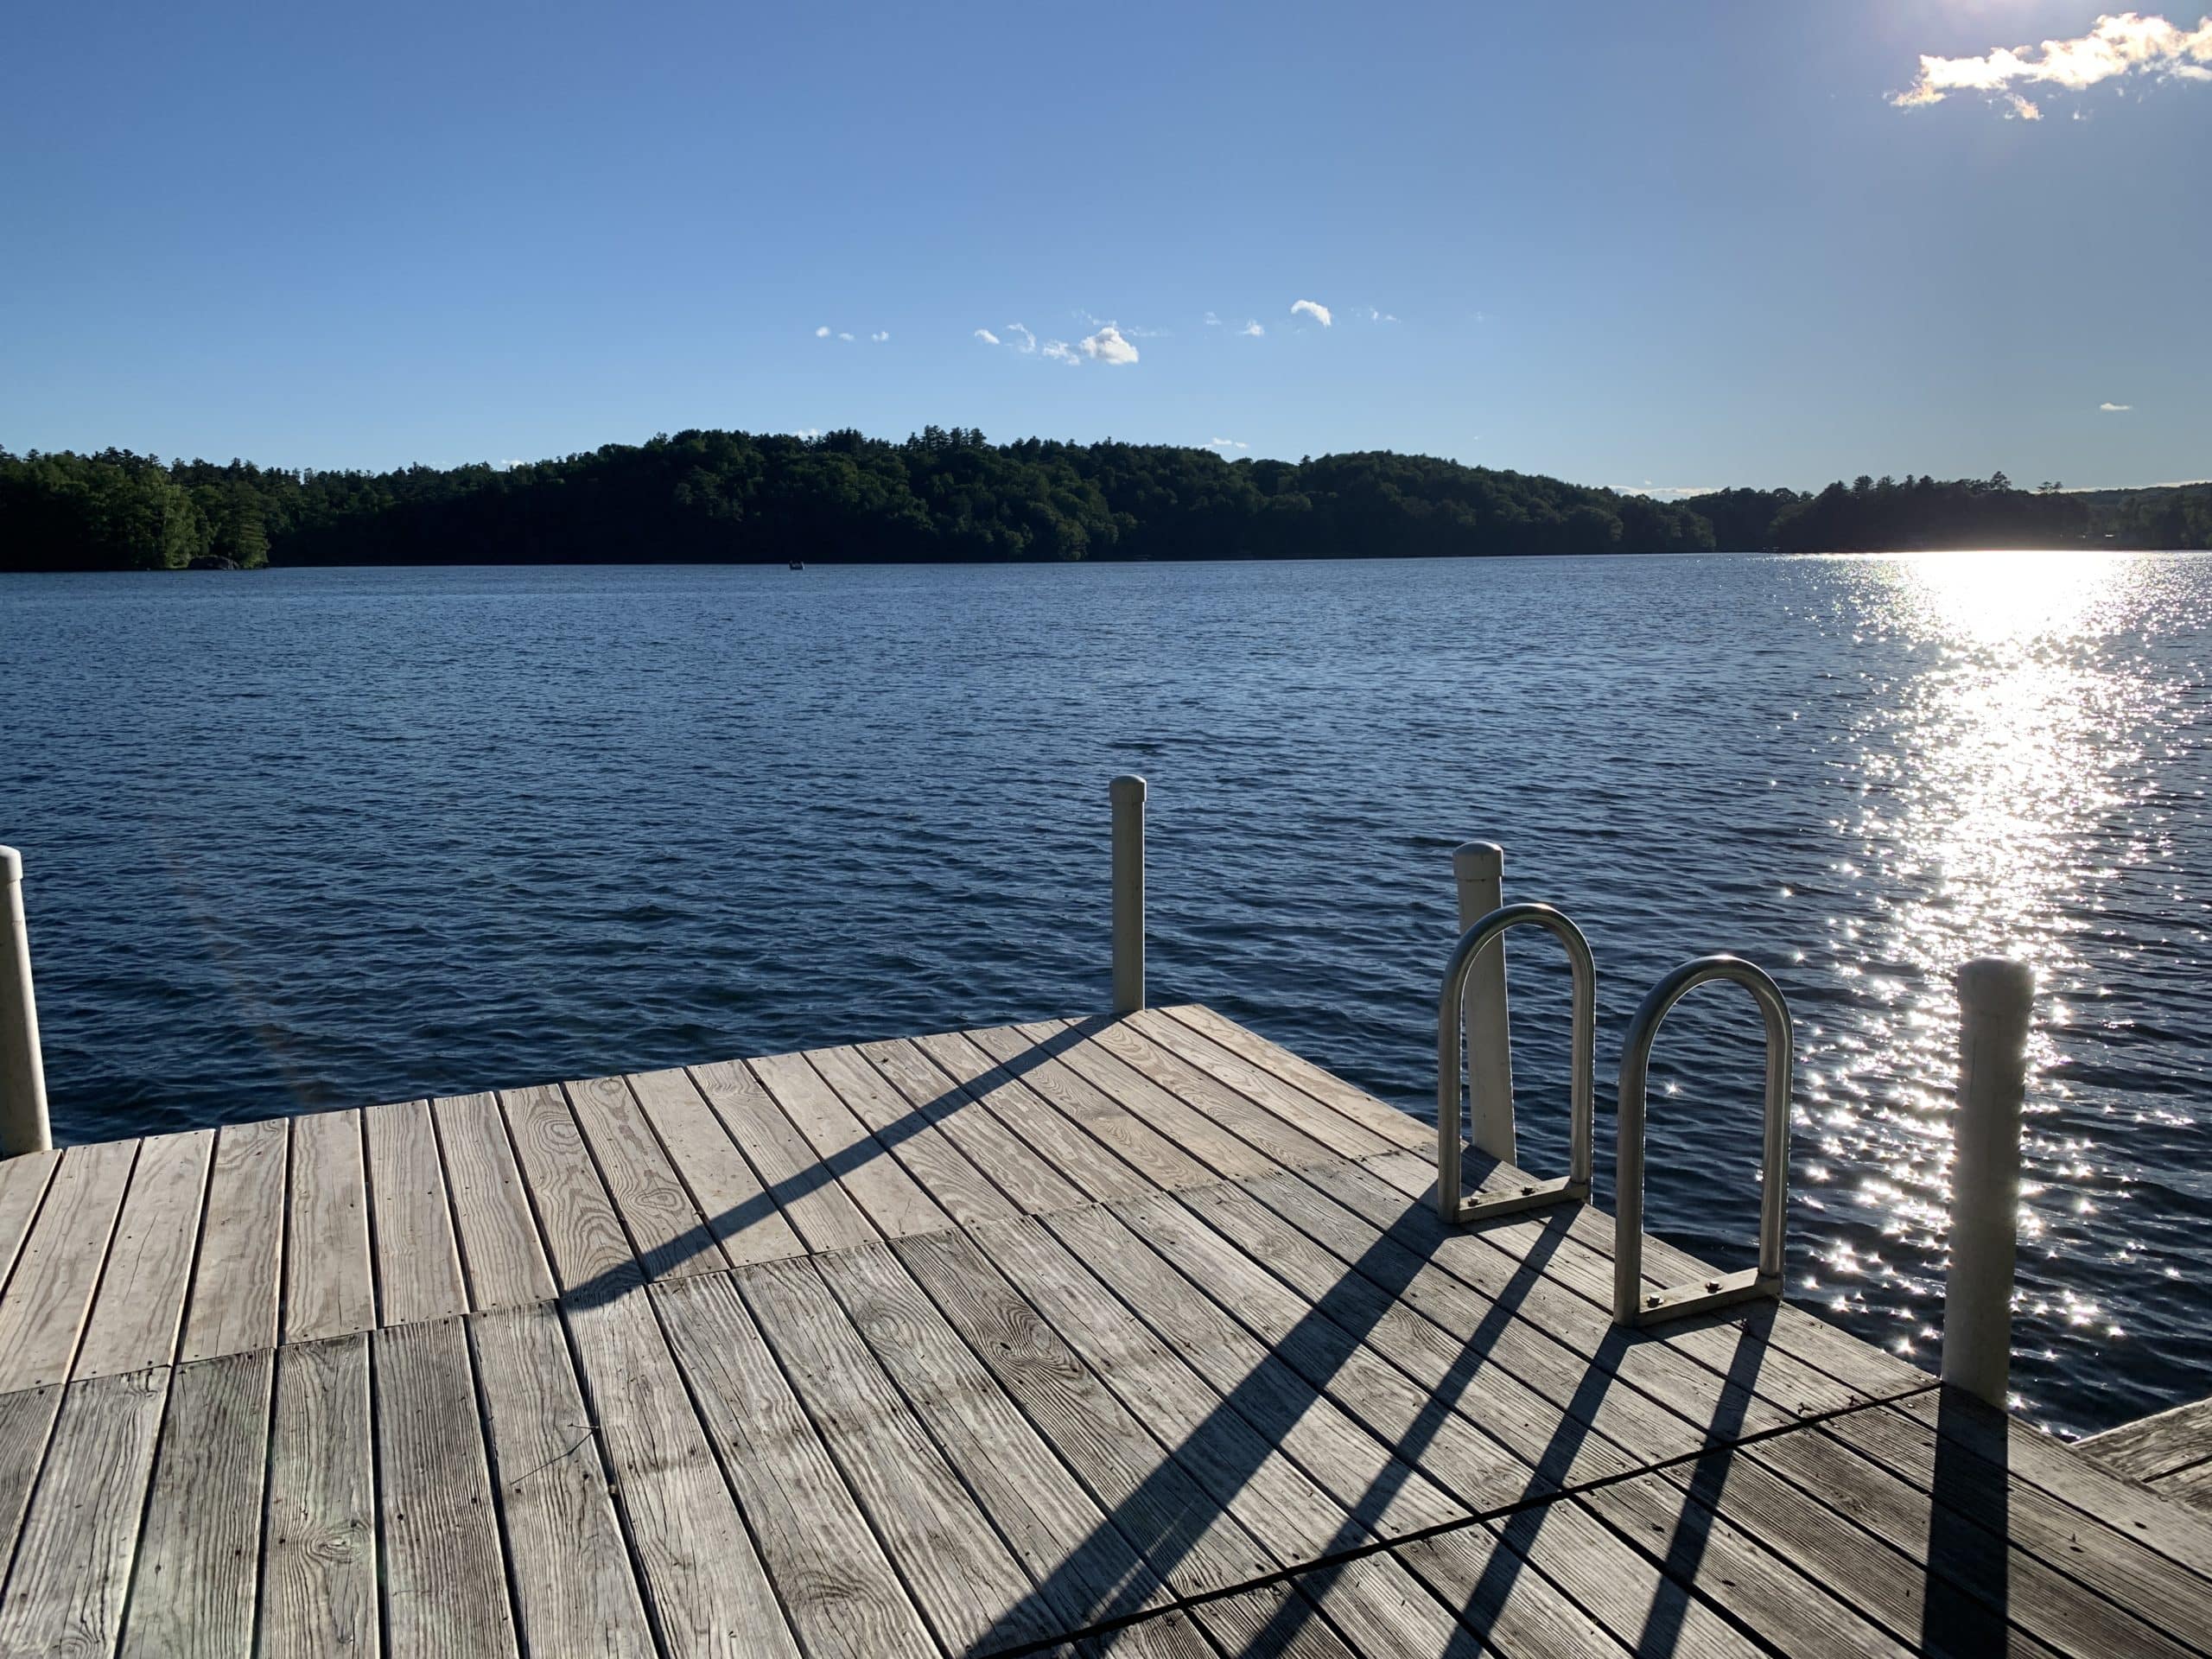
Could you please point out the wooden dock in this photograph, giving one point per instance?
(1136, 1336)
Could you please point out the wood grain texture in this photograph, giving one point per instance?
(575, 1591)
(955, 1182)
(1226, 1154)
(975, 1596)
(502, 1258)
(1274, 1620)
(329, 1285)
(1174, 1044)
(2158, 1445)
(1026, 1173)
(1495, 1593)
(1085, 1568)
(417, 1261)
(200, 1556)
(319, 1537)
(1079, 1161)
(23, 1182)
(42, 1311)
(667, 1231)
(1189, 1540)
(1114, 1047)
(1158, 1160)
(140, 1304)
(26, 1422)
(739, 1213)
(816, 1205)
(1377, 1117)
(445, 1578)
(590, 1252)
(838, 1590)
(877, 1183)
(703, 1585)
(64, 1591)
(237, 1284)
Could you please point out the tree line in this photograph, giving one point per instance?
(946, 493)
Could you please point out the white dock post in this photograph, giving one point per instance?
(23, 1073)
(1996, 997)
(1479, 867)
(1127, 793)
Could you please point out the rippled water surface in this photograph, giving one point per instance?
(298, 839)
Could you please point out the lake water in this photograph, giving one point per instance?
(303, 839)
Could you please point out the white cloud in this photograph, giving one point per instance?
(844, 337)
(1026, 343)
(808, 432)
(2113, 408)
(1107, 346)
(2127, 44)
(823, 333)
(1227, 443)
(1213, 321)
(1060, 352)
(1674, 491)
(1252, 329)
(881, 335)
(1374, 316)
(987, 337)
(1314, 309)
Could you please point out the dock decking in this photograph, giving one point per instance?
(1135, 1336)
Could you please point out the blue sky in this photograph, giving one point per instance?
(1688, 244)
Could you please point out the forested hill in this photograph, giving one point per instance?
(731, 497)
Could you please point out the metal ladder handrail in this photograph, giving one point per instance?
(1582, 1094)
(1632, 1304)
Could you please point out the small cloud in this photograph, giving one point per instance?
(2113, 408)
(1252, 329)
(1213, 321)
(845, 337)
(987, 337)
(1026, 343)
(1314, 309)
(881, 335)
(1374, 316)
(1060, 352)
(823, 333)
(1670, 492)
(1108, 345)
(808, 432)
(2127, 44)
(1227, 443)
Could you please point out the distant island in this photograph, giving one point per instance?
(712, 497)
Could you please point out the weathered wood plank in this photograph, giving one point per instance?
(1114, 1046)
(140, 1303)
(1385, 1493)
(703, 1585)
(445, 1579)
(237, 1283)
(199, 1557)
(1641, 1605)
(1383, 1610)
(573, 1586)
(960, 1189)
(1026, 1172)
(2155, 1445)
(1190, 1542)
(739, 1213)
(1226, 1154)
(671, 1237)
(975, 1595)
(417, 1260)
(877, 1183)
(330, 1289)
(1084, 1566)
(42, 1313)
(26, 1422)
(1426, 1415)
(839, 1592)
(318, 1540)
(809, 1195)
(502, 1258)
(23, 1182)
(65, 1589)
(1283, 1507)
(1318, 1123)
(1277, 1622)
(1077, 1156)
(1377, 1116)
(590, 1252)
(1514, 1609)
(1160, 1161)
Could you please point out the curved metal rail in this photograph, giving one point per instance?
(1532, 1195)
(1632, 1304)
